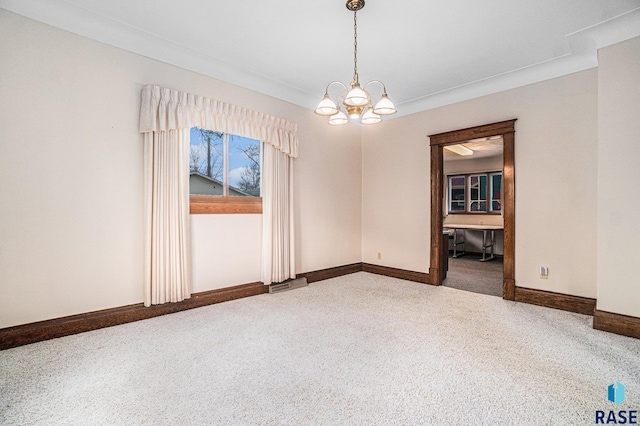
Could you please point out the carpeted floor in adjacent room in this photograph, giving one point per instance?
(469, 274)
(360, 349)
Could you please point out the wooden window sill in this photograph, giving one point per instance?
(207, 204)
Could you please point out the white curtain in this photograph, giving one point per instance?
(166, 115)
(278, 245)
(167, 260)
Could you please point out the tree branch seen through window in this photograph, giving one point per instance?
(224, 164)
(207, 153)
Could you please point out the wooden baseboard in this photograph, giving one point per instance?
(12, 337)
(433, 277)
(325, 274)
(508, 289)
(403, 274)
(617, 323)
(20, 335)
(565, 302)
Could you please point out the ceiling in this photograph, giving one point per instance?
(482, 148)
(428, 53)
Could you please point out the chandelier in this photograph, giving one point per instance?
(355, 102)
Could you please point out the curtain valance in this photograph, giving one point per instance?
(165, 109)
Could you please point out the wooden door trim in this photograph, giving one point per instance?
(506, 129)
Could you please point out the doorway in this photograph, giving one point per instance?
(472, 216)
(439, 257)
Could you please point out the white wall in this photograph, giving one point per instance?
(618, 178)
(555, 175)
(71, 213)
(328, 191)
(395, 195)
(471, 164)
(225, 250)
(71, 210)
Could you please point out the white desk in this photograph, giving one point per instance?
(487, 230)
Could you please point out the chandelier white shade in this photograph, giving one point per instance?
(327, 106)
(356, 96)
(355, 102)
(384, 106)
(370, 117)
(338, 119)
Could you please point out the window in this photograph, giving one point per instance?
(224, 169)
(475, 193)
(496, 192)
(478, 193)
(457, 194)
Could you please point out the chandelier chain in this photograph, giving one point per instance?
(355, 47)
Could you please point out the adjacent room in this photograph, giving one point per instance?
(319, 213)
(473, 221)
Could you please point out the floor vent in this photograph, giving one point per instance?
(288, 285)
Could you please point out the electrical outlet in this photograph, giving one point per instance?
(544, 272)
(379, 256)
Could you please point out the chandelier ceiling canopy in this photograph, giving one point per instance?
(355, 102)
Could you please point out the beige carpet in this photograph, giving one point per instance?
(356, 350)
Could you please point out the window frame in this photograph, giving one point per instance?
(478, 199)
(490, 194)
(227, 204)
(450, 188)
(467, 191)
